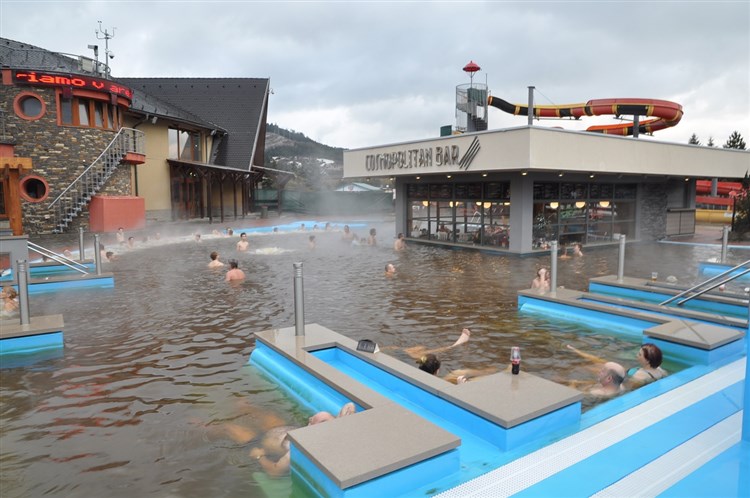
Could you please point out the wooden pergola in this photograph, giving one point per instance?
(211, 175)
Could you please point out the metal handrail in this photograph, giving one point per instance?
(718, 284)
(710, 280)
(95, 162)
(43, 251)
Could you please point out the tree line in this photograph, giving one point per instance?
(735, 141)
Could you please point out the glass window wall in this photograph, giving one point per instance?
(466, 213)
(585, 213)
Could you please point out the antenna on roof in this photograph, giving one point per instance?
(106, 36)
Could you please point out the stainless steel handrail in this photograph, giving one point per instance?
(710, 280)
(43, 251)
(718, 284)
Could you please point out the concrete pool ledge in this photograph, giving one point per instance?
(685, 339)
(387, 436)
(512, 405)
(602, 284)
(361, 447)
(43, 332)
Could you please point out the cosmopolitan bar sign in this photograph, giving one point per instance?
(75, 81)
(449, 155)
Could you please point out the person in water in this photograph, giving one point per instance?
(417, 352)
(215, 263)
(234, 273)
(273, 454)
(10, 304)
(400, 243)
(649, 358)
(243, 244)
(541, 281)
(431, 364)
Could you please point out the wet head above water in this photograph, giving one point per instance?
(153, 369)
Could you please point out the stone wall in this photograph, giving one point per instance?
(653, 211)
(58, 153)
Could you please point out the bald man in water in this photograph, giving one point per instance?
(610, 377)
(274, 453)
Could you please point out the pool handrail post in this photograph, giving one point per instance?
(23, 292)
(299, 301)
(97, 255)
(621, 260)
(724, 243)
(553, 267)
(81, 250)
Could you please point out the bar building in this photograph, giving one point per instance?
(515, 190)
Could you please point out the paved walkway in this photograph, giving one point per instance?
(707, 234)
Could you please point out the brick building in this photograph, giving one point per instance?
(185, 146)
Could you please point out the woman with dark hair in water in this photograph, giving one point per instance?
(649, 359)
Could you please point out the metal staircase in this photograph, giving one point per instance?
(77, 195)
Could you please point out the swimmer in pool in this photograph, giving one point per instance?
(347, 235)
(243, 244)
(649, 358)
(273, 454)
(417, 352)
(215, 263)
(9, 302)
(390, 270)
(311, 242)
(234, 274)
(541, 281)
(400, 243)
(431, 364)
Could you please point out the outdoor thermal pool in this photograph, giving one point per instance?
(152, 369)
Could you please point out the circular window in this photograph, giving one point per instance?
(29, 106)
(34, 188)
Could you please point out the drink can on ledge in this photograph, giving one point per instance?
(515, 360)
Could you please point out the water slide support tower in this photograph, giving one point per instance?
(471, 103)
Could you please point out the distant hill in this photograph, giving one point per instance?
(316, 166)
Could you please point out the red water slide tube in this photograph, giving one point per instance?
(724, 188)
(667, 113)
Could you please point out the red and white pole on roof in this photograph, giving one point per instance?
(471, 68)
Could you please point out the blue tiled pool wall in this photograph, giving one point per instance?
(627, 456)
(471, 459)
(438, 410)
(311, 478)
(48, 271)
(75, 282)
(306, 389)
(31, 344)
(707, 269)
(294, 227)
(661, 314)
(313, 394)
(678, 353)
(607, 322)
(36, 360)
(698, 361)
(656, 297)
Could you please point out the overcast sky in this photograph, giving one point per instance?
(356, 74)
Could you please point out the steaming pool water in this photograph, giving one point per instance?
(152, 369)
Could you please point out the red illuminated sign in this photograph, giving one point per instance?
(75, 81)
